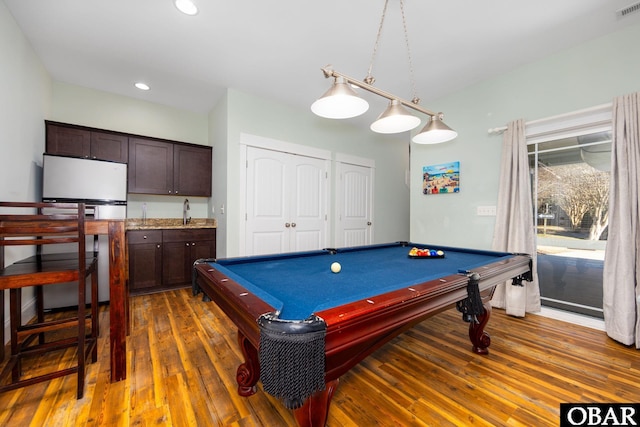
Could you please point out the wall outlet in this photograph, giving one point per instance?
(486, 211)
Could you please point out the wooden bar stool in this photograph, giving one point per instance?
(52, 225)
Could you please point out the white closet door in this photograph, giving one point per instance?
(286, 202)
(354, 205)
(308, 204)
(267, 207)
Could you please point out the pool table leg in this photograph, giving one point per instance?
(316, 408)
(248, 372)
(479, 338)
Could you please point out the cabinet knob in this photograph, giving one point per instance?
(187, 244)
(158, 246)
(368, 222)
(193, 243)
(287, 225)
(144, 237)
(293, 224)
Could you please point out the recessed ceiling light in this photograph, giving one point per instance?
(188, 7)
(142, 86)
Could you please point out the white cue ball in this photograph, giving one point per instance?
(336, 267)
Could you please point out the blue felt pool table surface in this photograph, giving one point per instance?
(300, 284)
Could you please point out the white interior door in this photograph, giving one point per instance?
(308, 204)
(267, 209)
(286, 202)
(354, 205)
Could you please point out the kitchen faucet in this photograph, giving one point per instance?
(185, 209)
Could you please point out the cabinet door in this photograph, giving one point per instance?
(180, 249)
(145, 260)
(201, 249)
(175, 256)
(174, 263)
(192, 170)
(68, 141)
(150, 166)
(109, 146)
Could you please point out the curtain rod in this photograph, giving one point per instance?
(499, 130)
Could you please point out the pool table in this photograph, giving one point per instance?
(301, 326)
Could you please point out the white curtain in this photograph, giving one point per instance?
(621, 300)
(514, 230)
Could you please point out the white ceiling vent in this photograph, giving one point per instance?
(625, 11)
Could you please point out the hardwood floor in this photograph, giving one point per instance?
(182, 358)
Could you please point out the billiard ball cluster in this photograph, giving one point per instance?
(417, 252)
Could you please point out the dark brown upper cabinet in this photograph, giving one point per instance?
(155, 166)
(78, 141)
(192, 170)
(150, 166)
(109, 146)
(161, 167)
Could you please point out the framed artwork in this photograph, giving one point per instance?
(440, 179)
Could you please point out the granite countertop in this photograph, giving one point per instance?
(169, 223)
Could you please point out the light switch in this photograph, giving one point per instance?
(486, 211)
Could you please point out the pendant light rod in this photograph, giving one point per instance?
(330, 72)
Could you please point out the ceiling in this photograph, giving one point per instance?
(275, 48)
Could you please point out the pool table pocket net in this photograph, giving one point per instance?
(292, 358)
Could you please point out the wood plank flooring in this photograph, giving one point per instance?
(182, 357)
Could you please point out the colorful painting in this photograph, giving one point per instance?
(439, 179)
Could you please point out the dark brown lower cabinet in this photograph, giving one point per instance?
(145, 260)
(173, 261)
(180, 249)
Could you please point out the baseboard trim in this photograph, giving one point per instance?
(575, 318)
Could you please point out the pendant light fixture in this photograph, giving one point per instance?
(341, 101)
(435, 132)
(395, 119)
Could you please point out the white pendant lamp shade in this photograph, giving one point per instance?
(435, 132)
(188, 7)
(340, 102)
(395, 119)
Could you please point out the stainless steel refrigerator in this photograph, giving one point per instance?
(102, 186)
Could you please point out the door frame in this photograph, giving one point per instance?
(249, 140)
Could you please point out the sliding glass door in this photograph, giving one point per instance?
(570, 180)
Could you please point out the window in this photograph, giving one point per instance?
(570, 181)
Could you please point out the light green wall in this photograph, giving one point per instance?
(587, 75)
(218, 137)
(89, 107)
(257, 116)
(25, 97)
(94, 108)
